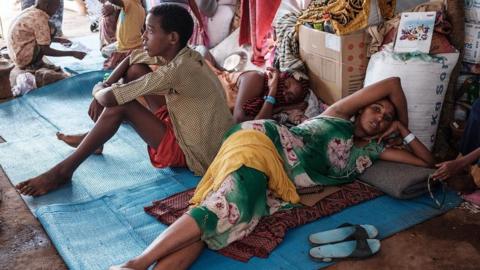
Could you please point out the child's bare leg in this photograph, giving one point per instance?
(181, 259)
(133, 72)
(182, 236)
(145, 123)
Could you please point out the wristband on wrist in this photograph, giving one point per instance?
(270, 99)
(408, 139)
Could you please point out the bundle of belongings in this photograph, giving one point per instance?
(346, 20)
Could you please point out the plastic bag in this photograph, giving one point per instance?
(25, 83)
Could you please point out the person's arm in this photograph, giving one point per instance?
(158, 82)
(266, 111)
(64, 41)
(388, 88)
(250, 85)
(46, 50)
(118, 73)
(419, 155)
(449, 168)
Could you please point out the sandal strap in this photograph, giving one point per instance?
(362, 249)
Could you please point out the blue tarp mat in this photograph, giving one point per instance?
(91, 62)
(98, 219)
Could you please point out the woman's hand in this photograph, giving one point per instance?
(396, 128)
(448, 169)
(272, 75)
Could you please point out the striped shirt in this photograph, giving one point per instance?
(195, 100)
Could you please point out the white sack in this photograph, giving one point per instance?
(424, 81)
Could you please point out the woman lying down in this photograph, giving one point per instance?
(261, 163)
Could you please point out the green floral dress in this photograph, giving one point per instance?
(319, 151)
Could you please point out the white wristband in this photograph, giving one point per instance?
(409, 138)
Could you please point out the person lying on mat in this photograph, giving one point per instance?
(258, 95)
(463, 173)
(30, 35)
(188, 134)
(260, 165)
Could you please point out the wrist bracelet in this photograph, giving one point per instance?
(270, 99)
(408, 139)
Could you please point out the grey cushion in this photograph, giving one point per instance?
(396, 179)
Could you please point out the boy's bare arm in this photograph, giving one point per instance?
(46, 50)
(118, 73)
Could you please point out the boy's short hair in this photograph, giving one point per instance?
(174, 18)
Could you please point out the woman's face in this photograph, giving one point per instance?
(376, 118)
(293, 91)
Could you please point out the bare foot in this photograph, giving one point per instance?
(75, 140)
(43, 183)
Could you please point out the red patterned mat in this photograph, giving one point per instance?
(271, 229)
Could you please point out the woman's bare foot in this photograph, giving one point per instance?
(75, 140)
(43, 183)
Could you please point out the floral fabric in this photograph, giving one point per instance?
(318, 152)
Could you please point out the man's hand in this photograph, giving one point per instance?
(448, 169)
(78, 55)
(95, 110)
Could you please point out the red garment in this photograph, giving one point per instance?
(168, 152)
(255, 23)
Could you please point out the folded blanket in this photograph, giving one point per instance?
(398, 180)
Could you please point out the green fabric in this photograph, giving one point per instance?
(232, 211)
(318, 151)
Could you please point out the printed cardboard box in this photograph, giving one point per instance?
(336, 64)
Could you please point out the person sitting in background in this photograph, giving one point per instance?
(108, 25)
(30, 35)
(261, 95)
(128, 31)
(261, 163)
(56, 19)
(463, 173)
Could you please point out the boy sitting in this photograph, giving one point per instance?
(30, 36)
(188, 134)
(128, 31)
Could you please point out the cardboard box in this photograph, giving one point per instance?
(472, 43)
(336, 64)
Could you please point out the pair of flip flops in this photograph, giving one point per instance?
(346, 241)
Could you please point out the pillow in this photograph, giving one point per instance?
(398, 180)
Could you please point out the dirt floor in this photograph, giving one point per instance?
(451, 241)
